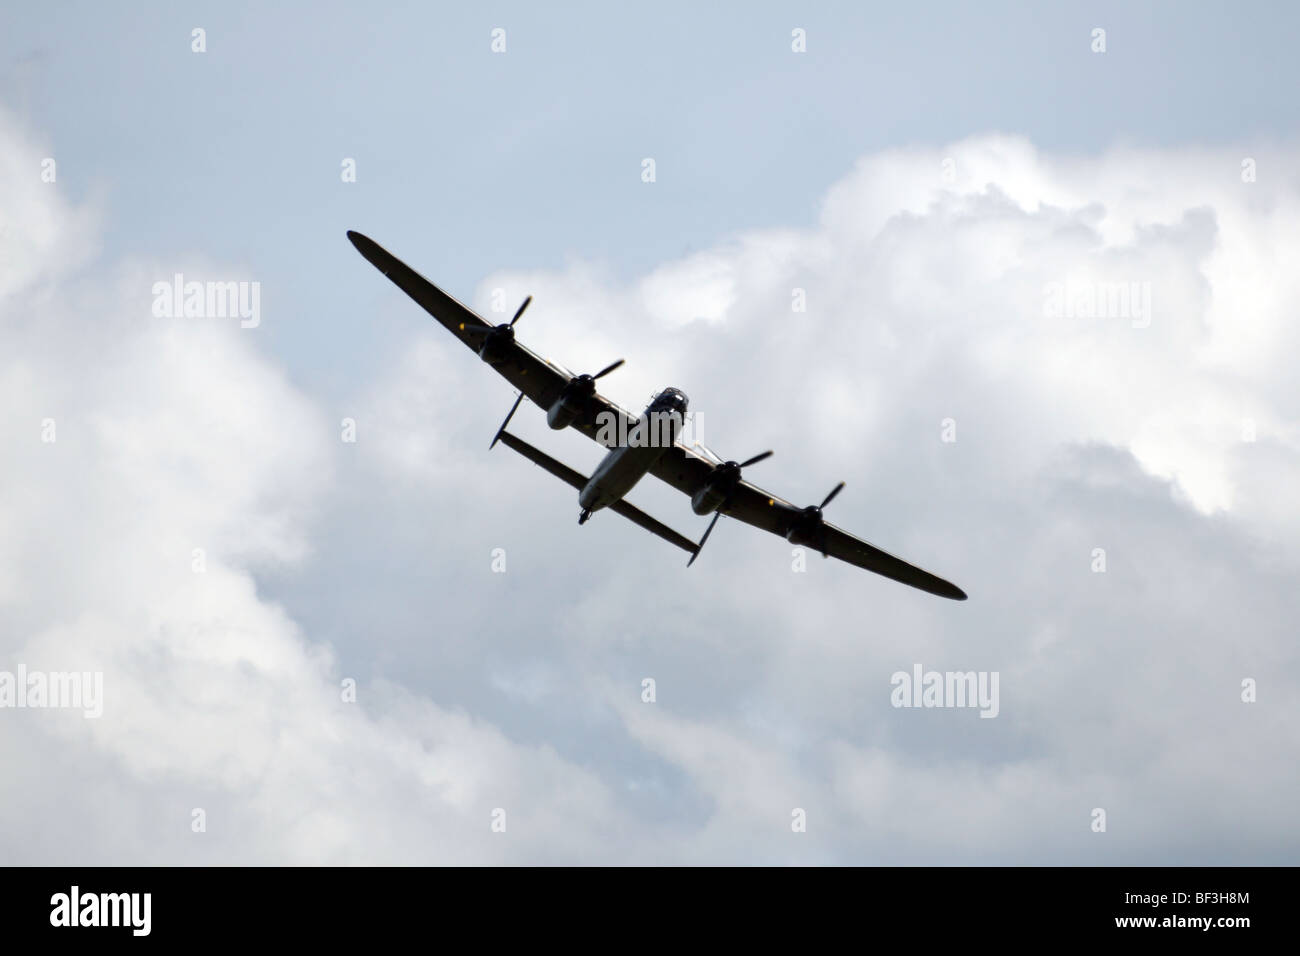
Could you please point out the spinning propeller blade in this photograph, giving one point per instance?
(730, 471)
(707, 531)
(607, 369)
(831, 497)
(521, 310)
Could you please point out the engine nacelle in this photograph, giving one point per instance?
(708, 499)
(562, 413)
(498, 345)
(807, 529)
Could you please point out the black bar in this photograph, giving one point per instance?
(975, 906)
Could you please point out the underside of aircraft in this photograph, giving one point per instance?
(638, 445)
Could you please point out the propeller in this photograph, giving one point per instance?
(603, 372)
(513, 408)
(831, 497)
(731, 465)
(815, 524)
(583, 387)
(520, 310)
(580, 388)
(506, 330)
(707, 531)
(727, 475)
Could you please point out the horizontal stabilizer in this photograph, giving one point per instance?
(579, 481)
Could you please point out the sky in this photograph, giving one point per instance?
(1027, 288)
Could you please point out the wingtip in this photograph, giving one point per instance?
(364, 244)
(372, 251)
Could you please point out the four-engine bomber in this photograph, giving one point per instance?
(638, 445)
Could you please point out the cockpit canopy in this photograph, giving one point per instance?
(671, 399)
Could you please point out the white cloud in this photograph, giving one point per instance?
(522, 690)
(173, 435)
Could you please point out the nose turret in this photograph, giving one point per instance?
(672, 399)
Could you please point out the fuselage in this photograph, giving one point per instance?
(633, 454)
